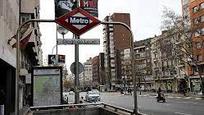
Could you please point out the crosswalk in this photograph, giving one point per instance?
(171, 97)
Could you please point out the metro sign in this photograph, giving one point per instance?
(77, 21)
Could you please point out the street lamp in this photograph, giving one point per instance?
(62, 30)
(132, 59)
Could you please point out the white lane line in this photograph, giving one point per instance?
(170, 97)
(180, 113)
(187, 97)
(198, 98)
(178, 97)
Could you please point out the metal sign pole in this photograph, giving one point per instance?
(56, 57)
(77, 71)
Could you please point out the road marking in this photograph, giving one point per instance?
(187, 97)
(180, 113)
(198, 98)
(178, 97)
(170, 97)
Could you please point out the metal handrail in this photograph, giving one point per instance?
(81, 105)
(116, 108)
(63, 106)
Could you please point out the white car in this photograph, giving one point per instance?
(65, 96)
(92, 96)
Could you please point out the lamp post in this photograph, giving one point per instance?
(132, 59)
(18, 59)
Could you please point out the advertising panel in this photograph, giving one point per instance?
(64, 6)
(90, 6)
(52, 59)
(46, 86)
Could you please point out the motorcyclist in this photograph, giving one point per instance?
(159, 93)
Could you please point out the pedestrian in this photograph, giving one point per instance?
(130, 91)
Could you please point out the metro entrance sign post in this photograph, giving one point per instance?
(78, 21)
(51, 21)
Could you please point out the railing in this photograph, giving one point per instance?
(118, 109)
(37, 108)
(83, 105)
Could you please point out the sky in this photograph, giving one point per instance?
(146, 18)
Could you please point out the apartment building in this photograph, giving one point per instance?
(116, 39)
(194, 9)
(186, 14)
(95, 71)
(9, 12)
(168, 67)
(126, 67)
(102, 75)
(12, 14)
(143, 62)
(86, 79)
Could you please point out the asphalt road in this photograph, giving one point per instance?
(149, 106)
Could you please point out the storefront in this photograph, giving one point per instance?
(166, 84)
(7, 87)
(195, 84)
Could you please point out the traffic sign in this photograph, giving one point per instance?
(77, 21)
(78, 41)
(73, 67)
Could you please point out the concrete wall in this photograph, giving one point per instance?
(79, 111)
(9, 15)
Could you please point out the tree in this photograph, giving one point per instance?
(184, 46)
(67, 84)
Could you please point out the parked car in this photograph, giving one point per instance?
(71, 93)
(92, 96)
(65, 97)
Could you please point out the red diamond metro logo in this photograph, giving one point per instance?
(78, 21)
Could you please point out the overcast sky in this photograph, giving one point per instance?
(145, 23)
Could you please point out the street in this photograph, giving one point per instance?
(147, 104)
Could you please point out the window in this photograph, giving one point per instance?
(198, 45)
(195, 9)
(197, 20)
(197, 33)
(137, 55)
(25, 17)
(199, 58)
(202, 18)
(202, 31)
(202, 5)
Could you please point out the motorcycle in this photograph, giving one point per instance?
(161, 98)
